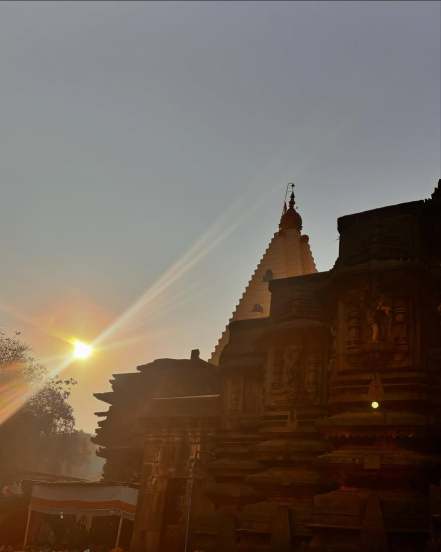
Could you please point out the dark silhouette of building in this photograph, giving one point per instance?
(319, 429)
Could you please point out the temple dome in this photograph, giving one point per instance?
(290, 218)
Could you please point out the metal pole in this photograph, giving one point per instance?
(187, 524)
(118, 534)
(190, 499)
(28, 524)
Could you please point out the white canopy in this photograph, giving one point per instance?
(84, 498)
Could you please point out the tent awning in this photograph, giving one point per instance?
(93, 499)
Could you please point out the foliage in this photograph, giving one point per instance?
(40, 434)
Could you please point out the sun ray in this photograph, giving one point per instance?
(222, 228)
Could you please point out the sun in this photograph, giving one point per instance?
(82, 350)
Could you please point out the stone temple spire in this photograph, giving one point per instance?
(290, 218)
(288, 254)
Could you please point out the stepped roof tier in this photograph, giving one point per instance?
(163, 388)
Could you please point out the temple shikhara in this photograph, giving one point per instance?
(316, 423)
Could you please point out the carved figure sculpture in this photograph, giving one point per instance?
(379, 321)
(354, 326)
(291, 366)
(234, 395)
(311, 376)
(400, 322)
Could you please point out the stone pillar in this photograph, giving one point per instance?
(149, 519)
(154, 517)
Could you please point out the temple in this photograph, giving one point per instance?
(316, 425)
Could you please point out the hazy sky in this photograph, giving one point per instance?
(131, 130)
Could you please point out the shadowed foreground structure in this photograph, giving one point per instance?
(319, 429)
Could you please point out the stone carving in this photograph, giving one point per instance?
(377, 324)
(379, 320)
(332, 349)
(277, 375)
(302, 304)
(385, 320)
(400, 323)
(298, 373)
(291, 366)
(311, 376)
(253, 396)
(286, 368)
(353, 322)
(234, 396)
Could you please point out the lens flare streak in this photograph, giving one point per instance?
(17, 394)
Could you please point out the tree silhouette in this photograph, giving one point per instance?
(35, 435)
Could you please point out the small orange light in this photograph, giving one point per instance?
(375, 404)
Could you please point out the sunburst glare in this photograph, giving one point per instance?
(81, 350)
